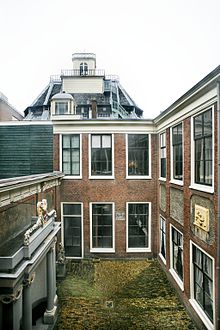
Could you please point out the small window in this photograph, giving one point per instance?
(203, 281)
(138, 228)
(102, 227)
(83, 69)
(138, 155)
(163, 238)
(61, 108)
(177, 252)
(101, 155)
(163, 155)
(71, 154)
(203, 148)
(177, 143)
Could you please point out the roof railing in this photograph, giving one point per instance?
(83, 73)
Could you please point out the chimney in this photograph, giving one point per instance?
(94, 109)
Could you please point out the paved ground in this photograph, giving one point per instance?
(119, 295)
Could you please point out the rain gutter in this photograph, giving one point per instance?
(218, 216)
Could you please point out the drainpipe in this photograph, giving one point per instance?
(218, 216)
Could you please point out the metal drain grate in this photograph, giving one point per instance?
(109, 304)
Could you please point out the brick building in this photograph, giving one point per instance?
(136, 187)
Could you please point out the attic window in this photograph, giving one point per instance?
(61, 108)
(83, 69)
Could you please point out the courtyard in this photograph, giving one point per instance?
(119, 294)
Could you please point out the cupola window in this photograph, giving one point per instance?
(83, 69)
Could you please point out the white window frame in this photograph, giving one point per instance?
(102, 177)
(175, 181)
(80, 156)
(162, 178)
(171, 270)
(147, 249)
(193, 302)
(160, 255)
(139, 177)
(62, 227)
(198, 186)
(59, 102)
(103, 250)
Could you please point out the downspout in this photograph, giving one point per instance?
(218, 216)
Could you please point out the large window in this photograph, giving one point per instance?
(61, 107)
(177, 143)
(72, 229)
(71, 154)
(102, 227)
(177, 252)
(163, 238)
(138, 227)
(203, 281)
(101, 155)
(163, 155)
(138, 155)
(203, 148)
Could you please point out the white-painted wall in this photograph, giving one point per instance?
(83, 84)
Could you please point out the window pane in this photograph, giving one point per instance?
(138, 225)
(101, 155)
(138, 157)
(72, 209)
(75, 141)
(66, 155)
(177, 252)
(106, 141)
(66, 141)
(75, 169)
(203, 148)
(96, 141)
(102, 226)
(198, 126)
(71, 154)
(203, 281)
(75, 156)
(208, 122)
(66, 168)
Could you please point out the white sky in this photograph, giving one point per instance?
(159, 48)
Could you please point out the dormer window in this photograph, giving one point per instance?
(63, 104)
(61, 107)
(83, 69)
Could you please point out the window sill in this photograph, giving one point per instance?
(138, 177)
(162, 179)
(101, 177)
(70, 258)
(162, 258)
(209, 325)
(102, 250)
(200, 187)
(139, 250)
(72, 177)
(177, 182)
(177, 279)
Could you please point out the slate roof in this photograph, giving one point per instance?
(87, 98)
(38, 110)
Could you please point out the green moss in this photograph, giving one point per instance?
(122, 295)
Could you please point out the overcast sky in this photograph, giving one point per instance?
(159, 48)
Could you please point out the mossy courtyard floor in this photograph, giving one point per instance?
(119, 295)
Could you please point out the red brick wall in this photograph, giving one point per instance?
(185, 229)
(118, 190)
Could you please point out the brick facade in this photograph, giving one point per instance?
(119, 190)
